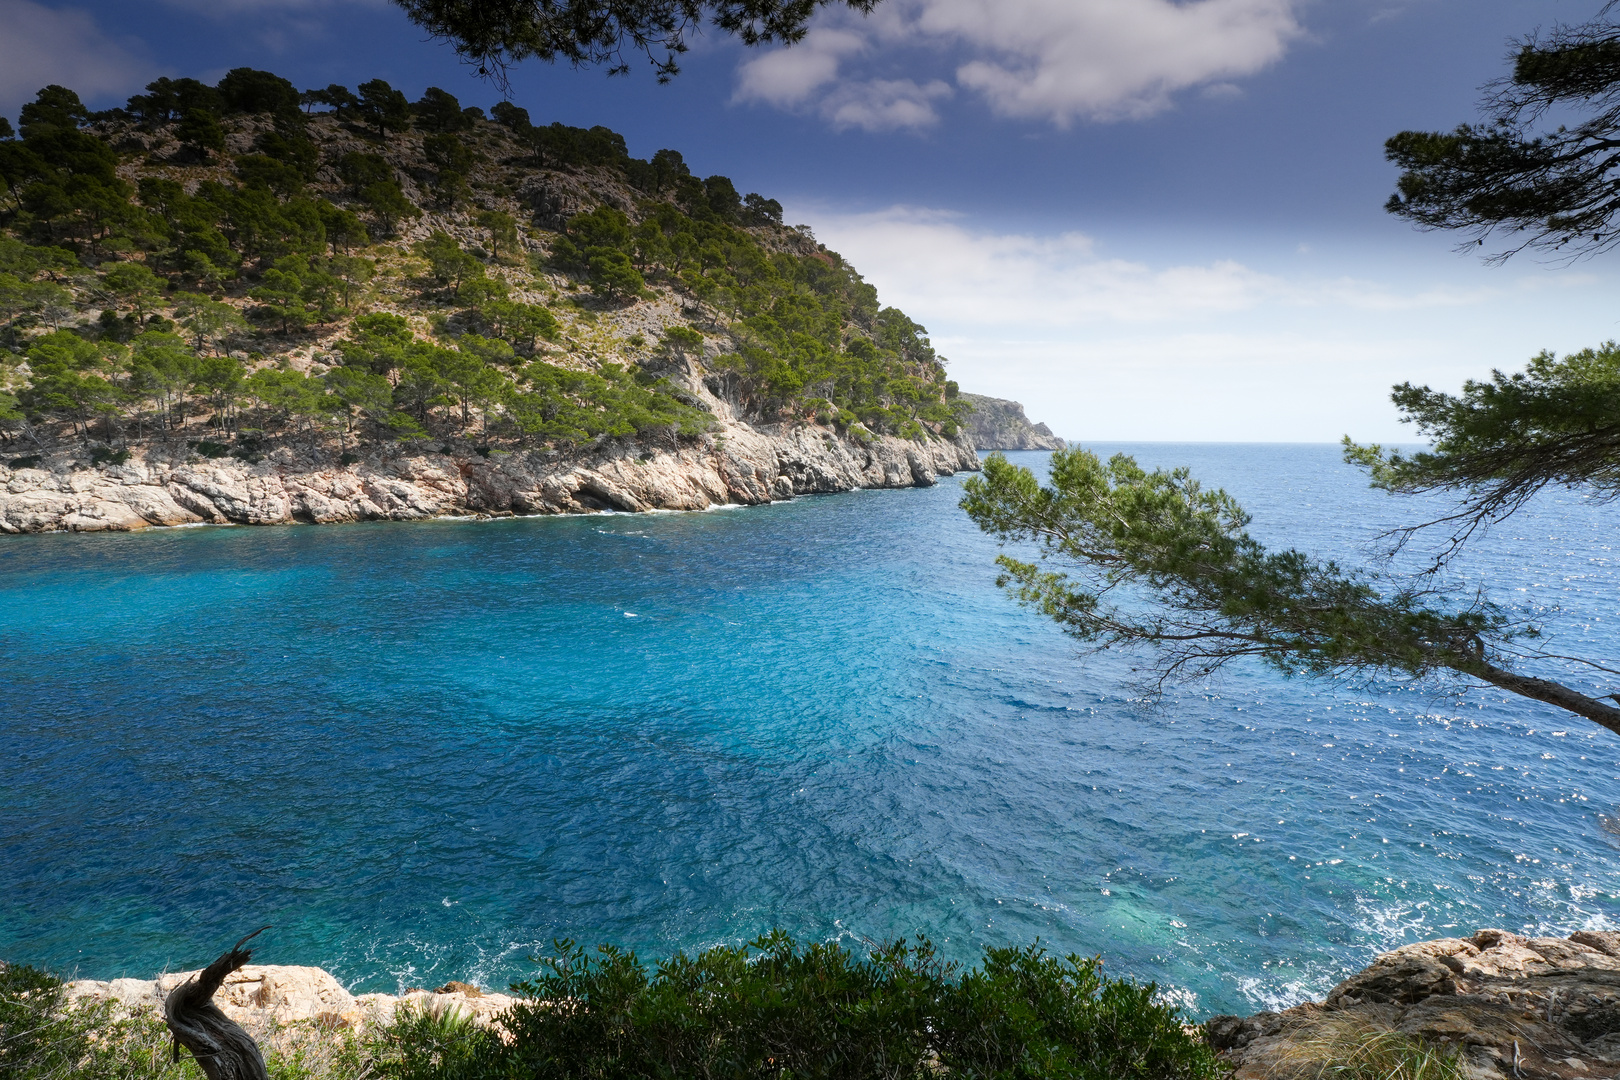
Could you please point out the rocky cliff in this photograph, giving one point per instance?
(998, 424)
(735, 464)
(1512, 1006)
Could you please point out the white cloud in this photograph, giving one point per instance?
(789, 76)
(1108, 347)
(807, 76)
(884, 104)
(929, 259)
(1107, 59)
(1057, 60)
(42, 45)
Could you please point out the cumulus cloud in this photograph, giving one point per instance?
(44, 45)
(1055, 60)
(807, 76)
(884, 104)
(788, 77)
(1107, 59)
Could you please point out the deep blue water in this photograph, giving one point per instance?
(422, 751)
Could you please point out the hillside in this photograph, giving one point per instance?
(246, 287)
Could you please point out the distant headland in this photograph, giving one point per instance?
(998, 424)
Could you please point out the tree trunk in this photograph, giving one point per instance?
(1552, 693)
(222, 1049)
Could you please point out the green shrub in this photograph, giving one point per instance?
(40, 1040)
(1026, 1014)
(774, 1009)
(770, 1009)
(423, 1045)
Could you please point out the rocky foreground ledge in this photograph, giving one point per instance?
(1517, 1007)
(176, 485)
(262, 997)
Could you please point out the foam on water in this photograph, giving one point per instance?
(424, 751)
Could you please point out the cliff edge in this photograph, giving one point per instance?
(998, 424)
(737, 464)
(1510, 1006)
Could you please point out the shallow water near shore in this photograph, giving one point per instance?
(422, 751)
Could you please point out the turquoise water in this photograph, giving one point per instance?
(421, 751)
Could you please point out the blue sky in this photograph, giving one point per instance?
(1144, 219)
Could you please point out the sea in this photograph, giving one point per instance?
(424, 752)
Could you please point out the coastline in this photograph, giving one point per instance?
(1495, 1004)
(737, 464)
(1503, 1005)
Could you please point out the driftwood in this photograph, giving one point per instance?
(221, 1047)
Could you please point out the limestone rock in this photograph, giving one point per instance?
(1526, 1008)
(738, 464)
(264, 997)
(998, 424)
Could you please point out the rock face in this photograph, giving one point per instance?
(264, 997)
(737, 463)
(1523, 1008)
(997, 424)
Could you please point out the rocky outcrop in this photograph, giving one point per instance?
(998, 424)
(735, 464)
(264, 997)
(1525, 1008)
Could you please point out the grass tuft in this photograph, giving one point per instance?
(1347, 1048)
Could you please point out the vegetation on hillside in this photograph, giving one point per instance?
(244, 262)
(771, 1009)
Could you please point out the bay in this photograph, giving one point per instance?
(422, 751)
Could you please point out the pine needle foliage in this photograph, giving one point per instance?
(1156, 562)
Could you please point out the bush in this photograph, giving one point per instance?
(40, 1040)
(770, 1009)
(775, 1009)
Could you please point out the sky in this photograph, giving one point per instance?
(1144, 219)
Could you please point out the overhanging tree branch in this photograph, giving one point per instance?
(1197, 592)
(496, 33)
(1503, 440)
(1557, 190)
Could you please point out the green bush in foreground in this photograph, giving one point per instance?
(771, 1009)
(775, 1009)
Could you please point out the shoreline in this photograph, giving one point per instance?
(1503, 1005)
(1497, 1004)
(739, 465)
